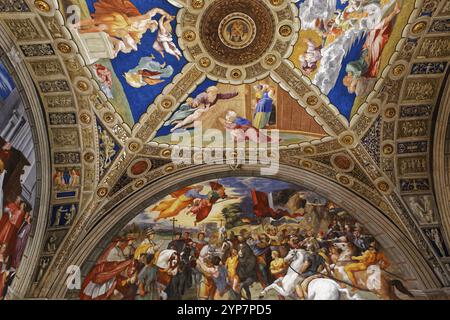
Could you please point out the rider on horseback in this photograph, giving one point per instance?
(315, 263)
(148, 246)
(369, 257)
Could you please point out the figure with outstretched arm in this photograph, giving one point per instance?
(185, 110)
(118, 16)
(204, 102)
(212, 95)
(112, 15)
(191, 118)
(122, 21)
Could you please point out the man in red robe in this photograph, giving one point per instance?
(103, 280)
(367, 67)
(262, 207)
(5, 217)
(12, 161)
(202, 207)
(12, 219)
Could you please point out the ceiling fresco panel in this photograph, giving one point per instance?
(131, 68)
(344, 46)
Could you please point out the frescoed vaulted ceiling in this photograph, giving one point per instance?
(355, 92)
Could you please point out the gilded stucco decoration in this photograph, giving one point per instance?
(109, 115)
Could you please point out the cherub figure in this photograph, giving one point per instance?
(164, 40)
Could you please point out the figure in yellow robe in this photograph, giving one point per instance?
(231, 264)
(122, 21)
(277, 265)
(179, 201)
(368, 258)
(148, 246)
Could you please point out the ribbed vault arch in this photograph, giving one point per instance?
(441, 158)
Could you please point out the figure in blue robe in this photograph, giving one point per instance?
(263, 110)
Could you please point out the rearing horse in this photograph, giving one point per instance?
(294, 259)
(318, 289)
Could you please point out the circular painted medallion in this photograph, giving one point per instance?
(139, 168)
(237, 30)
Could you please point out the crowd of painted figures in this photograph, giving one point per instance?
(225, 265)
(15, 227)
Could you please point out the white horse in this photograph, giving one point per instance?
(347, 251)
(373, 272)
(168, 260)
(328, 289)
(167, 264)
(318, 289)
(285, 286)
